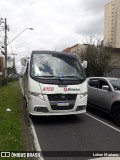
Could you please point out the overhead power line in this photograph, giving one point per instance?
(10, 46)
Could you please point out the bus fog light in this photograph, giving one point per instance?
(41, 109)
(79, 108)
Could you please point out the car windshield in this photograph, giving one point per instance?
(56, 66)
(115, 84)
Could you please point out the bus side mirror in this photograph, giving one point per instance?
(23, 61)
(84, 64)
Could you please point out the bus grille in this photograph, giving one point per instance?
(61, 97)
(54, 99)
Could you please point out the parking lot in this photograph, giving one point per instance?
(92, 131)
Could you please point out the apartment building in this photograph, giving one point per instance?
(76, 49)
(112, 24)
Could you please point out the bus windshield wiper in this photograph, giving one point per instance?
(81, 79)
(49, 77)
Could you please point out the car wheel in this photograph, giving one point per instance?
(116, 115)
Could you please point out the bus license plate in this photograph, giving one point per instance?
(62, 104)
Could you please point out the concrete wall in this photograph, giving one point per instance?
(115, 58)
(115, 72)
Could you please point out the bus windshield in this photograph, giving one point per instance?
(56, 65)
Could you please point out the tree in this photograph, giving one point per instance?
(98, 57)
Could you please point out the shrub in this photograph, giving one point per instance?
(3, 81)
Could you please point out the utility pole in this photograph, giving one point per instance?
(5, 45)
(14, 62)
(5, 27)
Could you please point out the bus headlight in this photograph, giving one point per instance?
(83, 95)
(38, 95)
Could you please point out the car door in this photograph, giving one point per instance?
(104, 96)
(93, 95)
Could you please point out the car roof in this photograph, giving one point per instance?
(107, 78)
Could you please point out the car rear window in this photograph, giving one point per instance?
(115, 84)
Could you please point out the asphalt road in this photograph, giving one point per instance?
(77, 133)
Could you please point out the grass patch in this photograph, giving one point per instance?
(11, 127)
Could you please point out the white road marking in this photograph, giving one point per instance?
(104, 158)
(36, 142)
(118, 130)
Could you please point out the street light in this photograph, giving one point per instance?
(21, 33)
(13, 40)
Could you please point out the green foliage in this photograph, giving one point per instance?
(98, 58)
(11, 131)
(3, 81)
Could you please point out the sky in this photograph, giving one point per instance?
(58, 24)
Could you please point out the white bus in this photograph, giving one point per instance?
(54, 83)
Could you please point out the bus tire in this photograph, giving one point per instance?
(116, 115)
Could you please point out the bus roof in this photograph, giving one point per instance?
(54, 52)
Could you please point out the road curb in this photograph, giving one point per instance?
(36, 143)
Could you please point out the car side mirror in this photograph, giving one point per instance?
(84, 64)
(105, 87)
